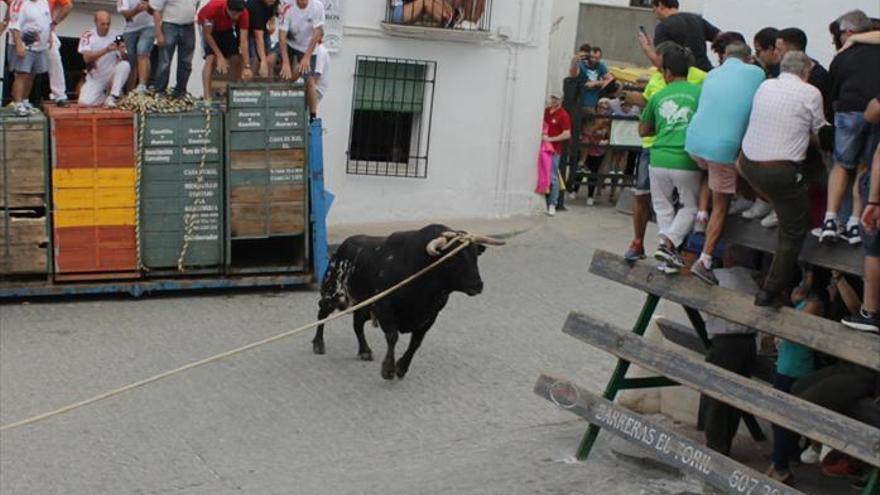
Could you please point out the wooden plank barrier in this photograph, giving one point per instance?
(827, 427)
(821, 334)
(663, 444)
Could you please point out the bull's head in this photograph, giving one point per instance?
(462, 271)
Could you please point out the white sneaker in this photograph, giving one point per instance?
(551, 210)
(21, 110)
(770, 221)
(810, 455)
(758, 210)
(140, 89)
(110, 102)
(590, 201)
(572, 195)
(739, 205)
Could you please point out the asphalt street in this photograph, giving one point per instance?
(281, 420)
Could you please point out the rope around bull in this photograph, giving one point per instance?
(465, 242)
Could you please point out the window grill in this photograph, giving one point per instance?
(391, 117)
(460, 15)
(641, 3)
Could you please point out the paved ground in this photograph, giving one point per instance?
(280, 420)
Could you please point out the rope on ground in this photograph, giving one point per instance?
(112, 393)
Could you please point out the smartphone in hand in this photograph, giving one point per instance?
(642, 30)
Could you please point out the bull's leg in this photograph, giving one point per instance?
(414, 342)
(388, 366)
(324, 310)
(364, 351)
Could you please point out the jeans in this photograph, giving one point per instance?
(181, 37)
(784, 187)
(553, 197)
(785, 442)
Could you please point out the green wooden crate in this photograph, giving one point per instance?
(175, 185)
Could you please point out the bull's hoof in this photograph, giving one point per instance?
(388, 371)
(366, 356)
(401, 372)
(318, 348)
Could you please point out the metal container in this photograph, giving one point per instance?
(266, 172)
(93, 193)
(181, 192)
(23, 218)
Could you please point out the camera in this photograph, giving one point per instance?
(119, 40)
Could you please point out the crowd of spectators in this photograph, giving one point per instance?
(241, 39)
(771, 135)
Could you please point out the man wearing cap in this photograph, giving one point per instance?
(225, 35)
(557, 130)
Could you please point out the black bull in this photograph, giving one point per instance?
(364, 266)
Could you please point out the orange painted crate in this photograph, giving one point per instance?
(93, 193)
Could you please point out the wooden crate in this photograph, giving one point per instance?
(23, 242)
(22, 161)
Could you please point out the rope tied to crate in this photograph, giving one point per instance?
(465, 240)
(141, 104)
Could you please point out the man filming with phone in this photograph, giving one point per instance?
(107, 63)
(591, 73)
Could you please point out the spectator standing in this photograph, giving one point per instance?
(59, 10)
(301, 30)
(260, 12)
(642, 189)
(734, 349)
(786, 112)
(174, 22)
(714, 137)
(683, 28)
(322, 72)
(765, 50)
(31, 32)
(592, 75)
(139, 34)
(868, 318)
(104, 54)
(667, 117)
(795, 39)
(225, 37)
(557, 123)
(855, 80)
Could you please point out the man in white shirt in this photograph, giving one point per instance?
(321, 72)
(31, 31)
(139, 35)
(107, 63)
(175, 31)
(301, 30)
(787, 114)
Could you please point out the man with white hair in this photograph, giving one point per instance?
(786, 114)
(855, 80)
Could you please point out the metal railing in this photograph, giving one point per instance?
(392, 103)
(459, 15)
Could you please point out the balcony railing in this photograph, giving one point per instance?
(456, 15)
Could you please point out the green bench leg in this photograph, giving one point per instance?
(619, 376)
(873, 486)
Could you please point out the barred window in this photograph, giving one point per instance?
(641, 3)
(391, 117)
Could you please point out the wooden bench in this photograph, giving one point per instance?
(749, 233)
(674, 367)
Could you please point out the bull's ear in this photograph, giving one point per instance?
(480, 249)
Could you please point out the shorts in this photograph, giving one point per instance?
(31, 63)
(643, 177)
(854, 139)
(296, 55)
(722, 178)
(397, 14)
(139, 43)
(870, 240)
(227, 41)
(267, 42)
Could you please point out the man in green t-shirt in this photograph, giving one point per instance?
(666, 117)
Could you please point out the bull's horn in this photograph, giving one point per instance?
(486, 240)
(437, 245)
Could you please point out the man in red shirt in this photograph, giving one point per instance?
(558, 130)
(225, 35)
